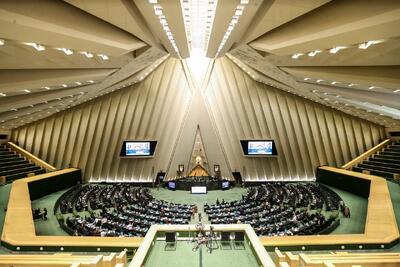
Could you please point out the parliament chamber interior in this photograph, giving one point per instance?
(210, 133)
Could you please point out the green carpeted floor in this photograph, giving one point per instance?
(51, 225)
(355, 224)
(184, 256)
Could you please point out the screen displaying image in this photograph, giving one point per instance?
(259, 148)
(199, 190)
(225, 184)
(171, 185)
(137, 148)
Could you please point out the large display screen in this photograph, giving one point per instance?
(225, 185)
(172, 185)
(138, 148)
(259, 147)
(199, 190)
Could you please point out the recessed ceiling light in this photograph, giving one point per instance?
(352, 84)
(372, 87)
(336, 49)
(103, 56)
(314, 53)
(78, 83)
(66, 51)
(153, 1)
(297, 55)
(396, 91)
(46, 87)
(38, 47)
(87, 54)
(367, 44)
(306, 79)
(334, 82)
(1, 42)
(26, 90)
(64, 85)
(318, 81)
(3, 94)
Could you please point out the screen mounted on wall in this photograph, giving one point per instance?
(138, 148)
(258, 147)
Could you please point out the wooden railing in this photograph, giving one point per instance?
(366, 154)
(334, 259)
(64, 259)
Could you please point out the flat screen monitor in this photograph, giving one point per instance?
(199, 189)
(172, 185)
(138, 148)
(258, 147)
(225, 184)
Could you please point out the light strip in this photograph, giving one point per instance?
(158, 11)
(235, 18)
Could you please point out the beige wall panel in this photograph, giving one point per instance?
(307, 134)
(90, 135)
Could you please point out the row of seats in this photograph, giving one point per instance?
(276, 209)
(64, 259)
(117, 210)
(14, 166)
(385, 163)
(337, 259)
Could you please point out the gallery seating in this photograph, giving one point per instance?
(276, 209)
(14, 166)
(384, 163)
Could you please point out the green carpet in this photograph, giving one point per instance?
(183, 256)
(51, 225)
(358, 210)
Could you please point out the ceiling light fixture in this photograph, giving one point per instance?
(314, 53)
(64, 85)
(26, 90)
(2, 42)
(103, 56)
(318, 81)
(38, 47)
(396, 91)
(372, 87)
(334, 82)
(297, 55)
(306, 79)
(367, 44)
(46, 87)
(336, 49)
(87, 54)
(352, 84)
(90, 81)
(66, 51)
(3, 94)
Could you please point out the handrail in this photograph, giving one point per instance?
(31, 157)
(366, 154)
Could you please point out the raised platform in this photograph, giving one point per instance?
(209, 182)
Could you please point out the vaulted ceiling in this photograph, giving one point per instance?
(56, 54)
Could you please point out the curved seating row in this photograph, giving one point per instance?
(277, 209)
(117, 210)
